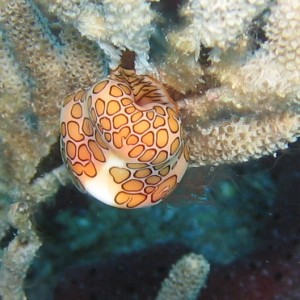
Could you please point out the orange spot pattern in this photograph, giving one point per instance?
(124, 136)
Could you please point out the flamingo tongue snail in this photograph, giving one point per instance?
(122, 140)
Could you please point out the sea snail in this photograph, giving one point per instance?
(122, 140)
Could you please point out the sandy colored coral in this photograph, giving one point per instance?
(176, 68)
(37, 72)
(271, 77)
(216, 24)
(114, 25)
(186, 278)
(241, 139)
(216, 136)
(39, 81)
(79, 49)
(18, 256)
(258, 96)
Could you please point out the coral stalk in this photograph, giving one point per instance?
(186, 278)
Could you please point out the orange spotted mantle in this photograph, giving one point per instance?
(122, 140)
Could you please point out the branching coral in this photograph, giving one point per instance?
(185, 279)
(241, 103)
(216, 24)
(114, 25)
(37, 73)
(18, 255)
(255, 109)
(240, 138)
(269, 78)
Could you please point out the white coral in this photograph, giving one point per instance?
(215, 23)
(115, 24)
(270, 77)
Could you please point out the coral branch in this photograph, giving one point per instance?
(218, 24)
(241, 139)
(51, 71)
(185, 279)
(18, 257)
(22, 249)
(102, 23)
(270, 78)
